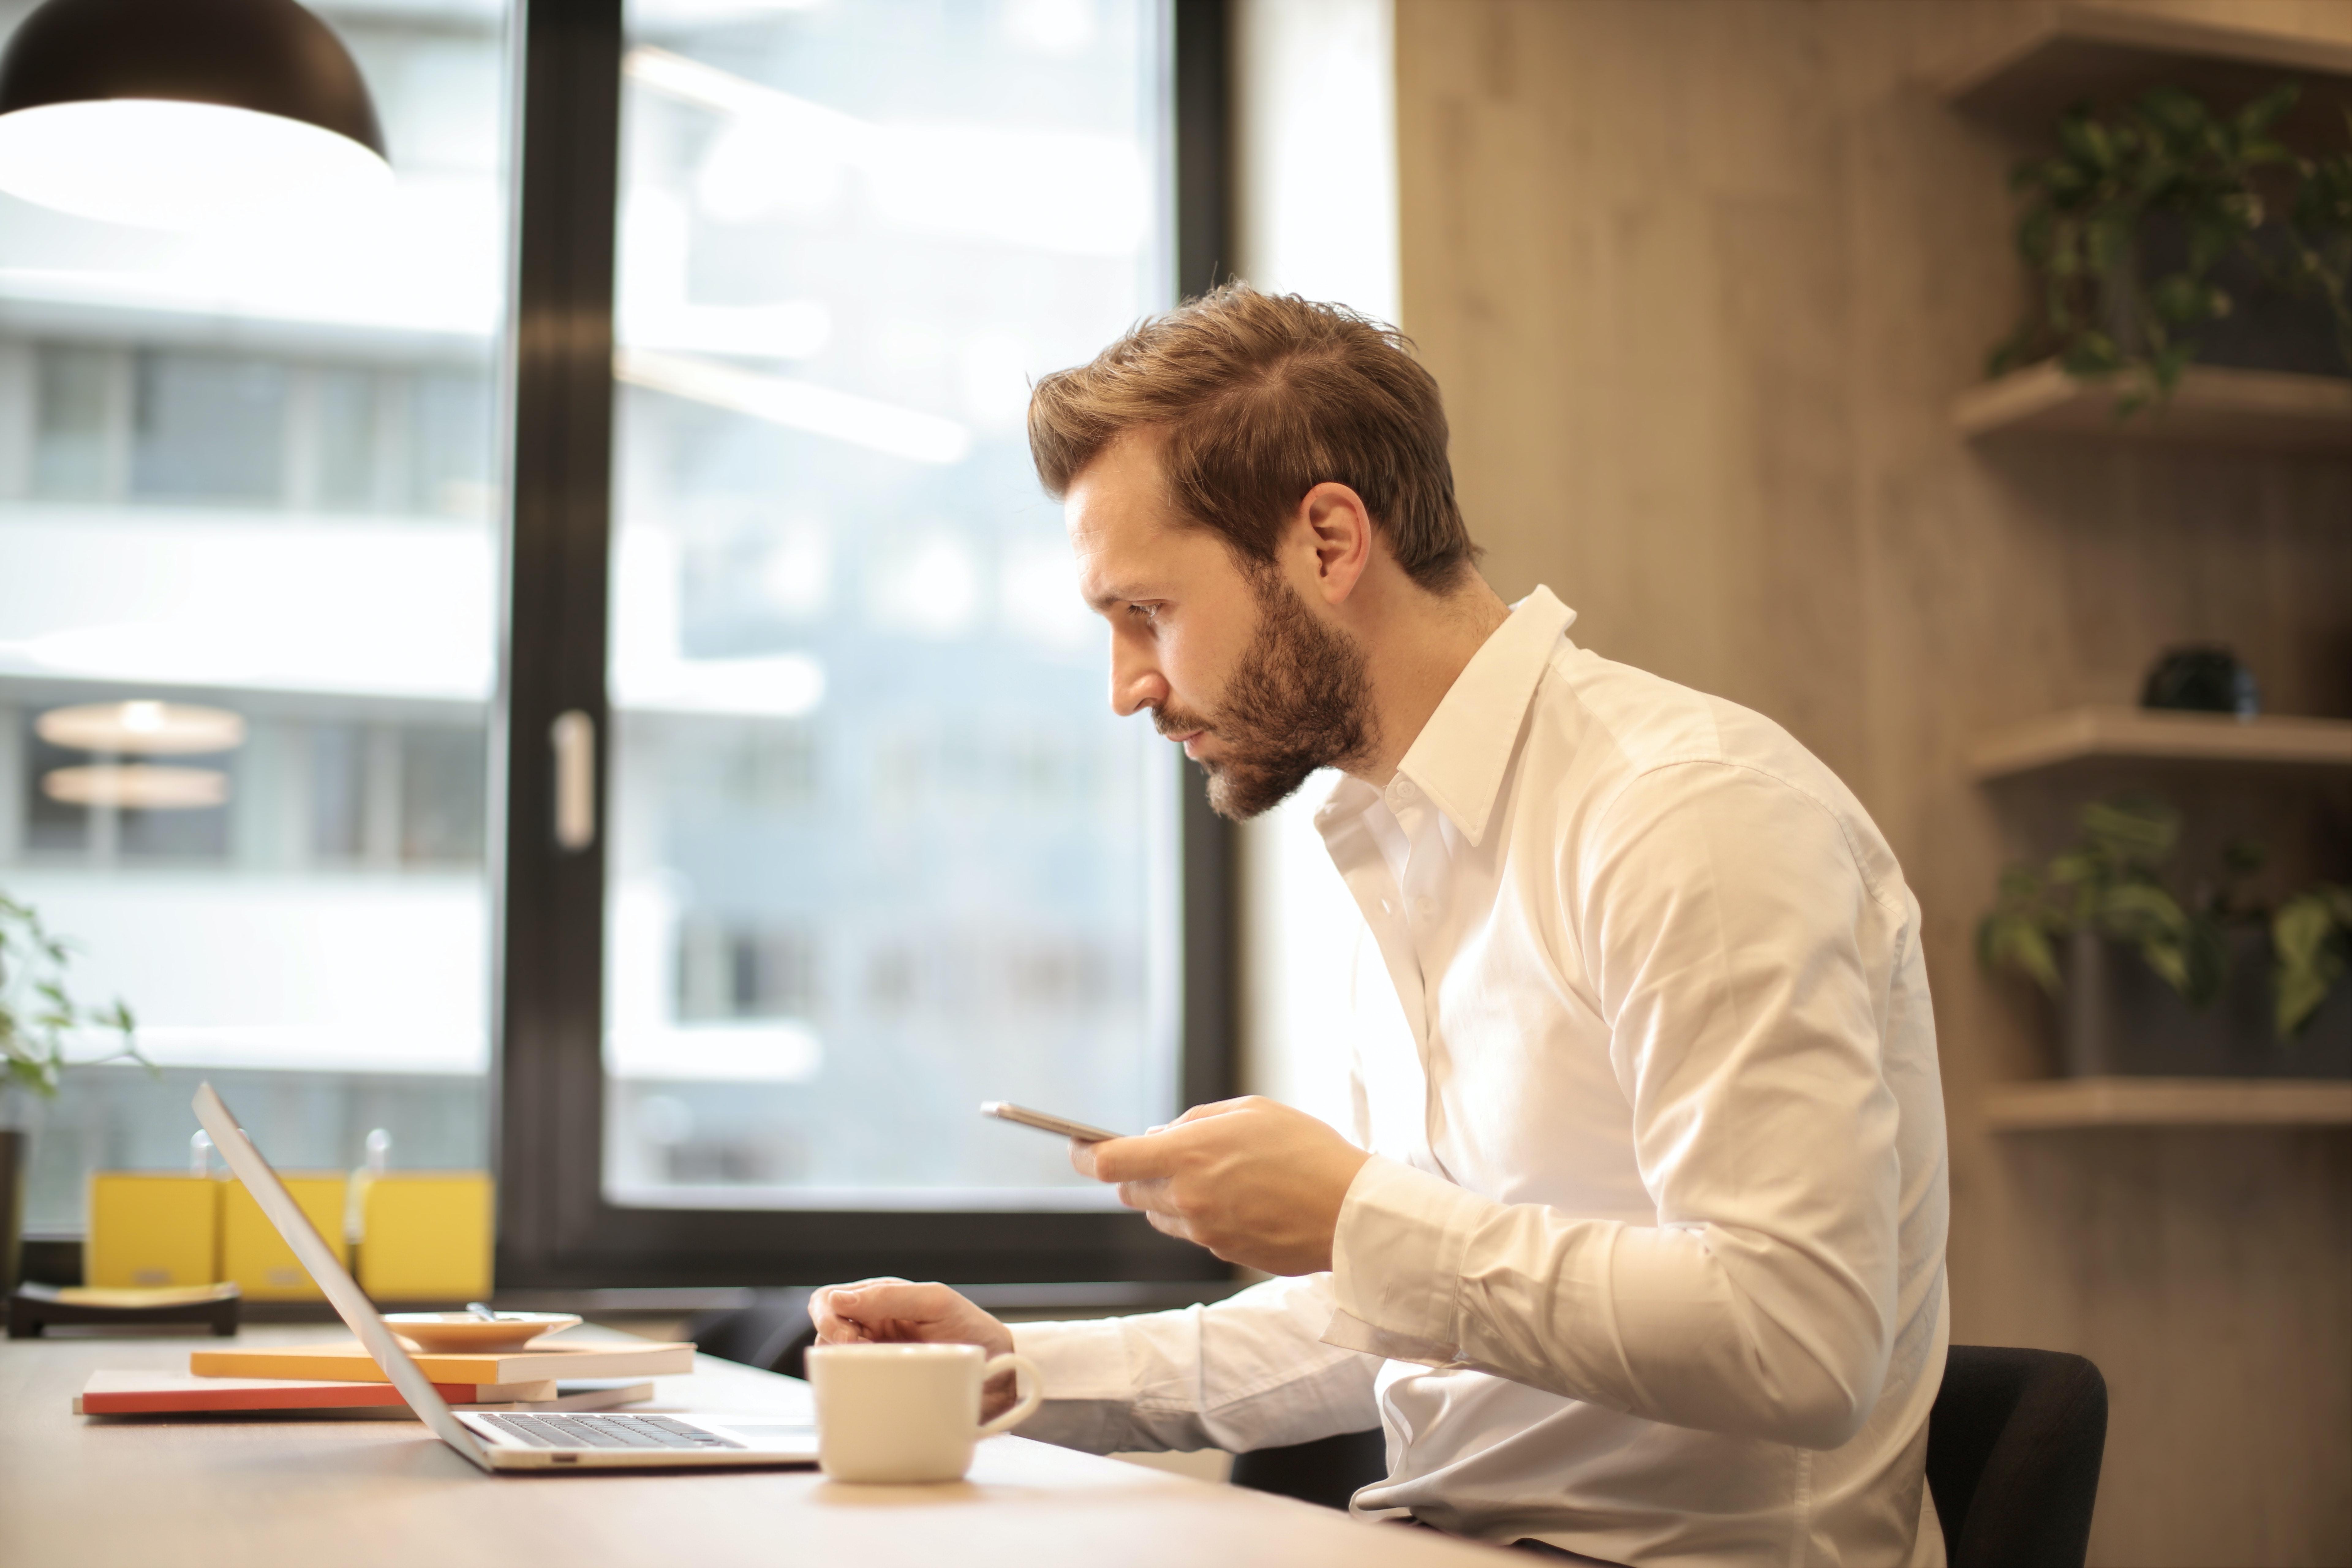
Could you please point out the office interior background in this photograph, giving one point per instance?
(1701, 280)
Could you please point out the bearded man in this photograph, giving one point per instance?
(1638, 1251)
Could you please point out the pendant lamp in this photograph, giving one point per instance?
(185, 114)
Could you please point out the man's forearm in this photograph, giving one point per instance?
(1693, 1326)
(1250, 1372)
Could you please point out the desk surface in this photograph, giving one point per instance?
(194, 1491)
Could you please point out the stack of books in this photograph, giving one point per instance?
(593, 1375)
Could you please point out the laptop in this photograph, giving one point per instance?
(502, 1440)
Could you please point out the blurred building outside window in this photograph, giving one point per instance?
(876, 848)
(254, 473)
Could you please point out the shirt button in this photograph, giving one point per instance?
(1403, 789)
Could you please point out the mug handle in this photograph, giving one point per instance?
(1022, 1366)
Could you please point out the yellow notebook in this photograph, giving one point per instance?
(149, 1230)
(253, 1256)
(348, 1361)
(425, 1236)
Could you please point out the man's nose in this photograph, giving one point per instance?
(1135, 684)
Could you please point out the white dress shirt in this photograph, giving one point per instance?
(1648, 1262)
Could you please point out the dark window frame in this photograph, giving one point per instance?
(555, 1230)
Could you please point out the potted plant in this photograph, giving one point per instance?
(37, 1018)
(2151, 231)
(2150, 982)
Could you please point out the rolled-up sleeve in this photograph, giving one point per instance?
(1725, 921)
(1250, 1372)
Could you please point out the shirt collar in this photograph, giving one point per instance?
(1458, 759)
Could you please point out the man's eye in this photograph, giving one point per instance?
(1144, 612)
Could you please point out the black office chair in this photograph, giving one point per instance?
(772, 1333)
(2013, 1448)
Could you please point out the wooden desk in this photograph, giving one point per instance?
(200, 1492)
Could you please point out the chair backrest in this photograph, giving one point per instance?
(771, 1333)
(2013, 1450)
(1328, 1470)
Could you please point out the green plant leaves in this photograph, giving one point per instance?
(2311, 942)
(2110, 882)
(2085, 208)
(38, 1013)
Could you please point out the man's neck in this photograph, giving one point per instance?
(1417, 644)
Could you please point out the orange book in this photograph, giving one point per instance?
(348, 1361)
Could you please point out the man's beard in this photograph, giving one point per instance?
(1300, 700)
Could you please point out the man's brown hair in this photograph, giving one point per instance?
(1263, 397)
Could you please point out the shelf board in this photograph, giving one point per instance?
(2263, 410)
(2078, 734)
(2170, 1102)
(2074, 52)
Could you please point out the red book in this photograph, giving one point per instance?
(143, 1393)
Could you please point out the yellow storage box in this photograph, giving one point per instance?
(264, 1267)
(426, 1235)
(147, 1230)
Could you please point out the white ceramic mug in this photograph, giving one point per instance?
(909, 1413)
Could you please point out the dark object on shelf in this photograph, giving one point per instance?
(2014, 1445)
(2121, 1020)
(35, 1308)
(2202, 678)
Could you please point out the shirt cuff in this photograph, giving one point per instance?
(1084, 1360)
(1396, 1263)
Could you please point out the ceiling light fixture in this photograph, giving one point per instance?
(185, 114)
(137, 786)
(142, 728)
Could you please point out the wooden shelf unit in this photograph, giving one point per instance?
(2105, 54)
(2170, 1103)
(2078, 734)
(2214, 406)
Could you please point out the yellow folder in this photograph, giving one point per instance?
(148, 1230)
(426, 1235)
(264, 1267)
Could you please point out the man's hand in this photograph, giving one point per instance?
(893, 1311)
(1253, 1181)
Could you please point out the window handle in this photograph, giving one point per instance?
(574, 736)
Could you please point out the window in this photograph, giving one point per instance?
(250, 474)
(879, 850)
(743, 498)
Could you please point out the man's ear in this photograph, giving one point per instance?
(1333, 517)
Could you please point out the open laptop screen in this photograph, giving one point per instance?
(350, 1301)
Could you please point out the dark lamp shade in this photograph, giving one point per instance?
(171, 111)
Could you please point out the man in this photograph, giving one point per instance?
(1639, 1253)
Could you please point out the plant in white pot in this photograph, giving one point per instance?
(38, 1020)
(2152, 983)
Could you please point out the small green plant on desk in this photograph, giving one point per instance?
(2111, 884)
(2166, 159)
(37, 1014)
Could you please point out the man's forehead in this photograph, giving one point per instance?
(1119, 519)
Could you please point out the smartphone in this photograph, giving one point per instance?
(1061, 1126)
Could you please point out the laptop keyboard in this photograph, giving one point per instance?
(608, 1432)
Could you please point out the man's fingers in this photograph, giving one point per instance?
(1151, 1197)
(895, 1302)
(1215, 1108)
(889, 1309)
(1142, 1159)
(1082, 1157)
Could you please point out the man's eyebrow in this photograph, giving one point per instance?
(1118, 592)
